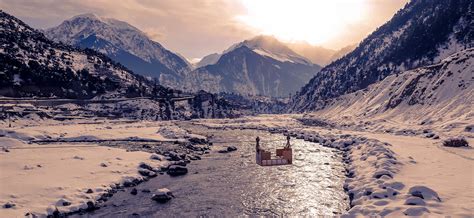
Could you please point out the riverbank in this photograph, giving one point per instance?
(70, 167)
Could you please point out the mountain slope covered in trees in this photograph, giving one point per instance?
(424, 32)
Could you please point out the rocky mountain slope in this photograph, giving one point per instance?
(422, 33)
(32, 65)
(123, 43)
(259, 66)
(432, 93)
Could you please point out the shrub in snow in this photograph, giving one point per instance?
(455, 142)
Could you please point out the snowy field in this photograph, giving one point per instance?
(405, 171)
(38, 178)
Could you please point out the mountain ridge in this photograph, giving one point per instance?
(405, 42)
(156, 61)
(32, 65)
(268, 68)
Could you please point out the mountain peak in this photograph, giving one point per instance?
(270, 46)
(264, 39)
(91, 16)
(122, 42)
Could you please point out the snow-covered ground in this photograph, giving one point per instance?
(393, 167)
(38, 178)
(395, 173)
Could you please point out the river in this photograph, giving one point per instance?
(232, 184)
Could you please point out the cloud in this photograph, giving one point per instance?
(156, 34)
(193, 28)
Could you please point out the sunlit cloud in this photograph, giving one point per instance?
(313, 21)
(195, 28)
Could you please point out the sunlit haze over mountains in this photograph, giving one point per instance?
(195, 28)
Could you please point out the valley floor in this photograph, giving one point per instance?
(385, 168)
(424, 161)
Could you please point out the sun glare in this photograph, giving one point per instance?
(313, 21)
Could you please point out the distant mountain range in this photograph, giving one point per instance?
(275, 69)
(33, 66)
(258, 66)
(423, 33)
(123, 43)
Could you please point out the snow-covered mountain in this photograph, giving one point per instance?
(424, 32)
(208, 60)
(123, 43)
(32, 65)
(425, 94)
(259, 66)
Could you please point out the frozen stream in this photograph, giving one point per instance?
(232, 184)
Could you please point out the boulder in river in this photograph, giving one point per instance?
(147, 173)
(144, 165)
(228, 149)
(9, 205)
(134, 191)
(155, 157)
(162, 195)
(176, 170)
(456, 142)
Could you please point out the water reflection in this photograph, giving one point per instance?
(232, 184)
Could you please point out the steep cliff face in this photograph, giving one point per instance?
(422, 33)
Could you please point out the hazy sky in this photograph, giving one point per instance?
(195, 28)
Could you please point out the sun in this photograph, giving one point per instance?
(313, 21)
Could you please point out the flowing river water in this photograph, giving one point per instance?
(232, 184)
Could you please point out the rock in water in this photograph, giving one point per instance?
(162, 195)
(228, 149)
(231, 148)
(176, 170)
(144, 165)
(155, 157)
(9, 205)
(147, 173)
(456, 142)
